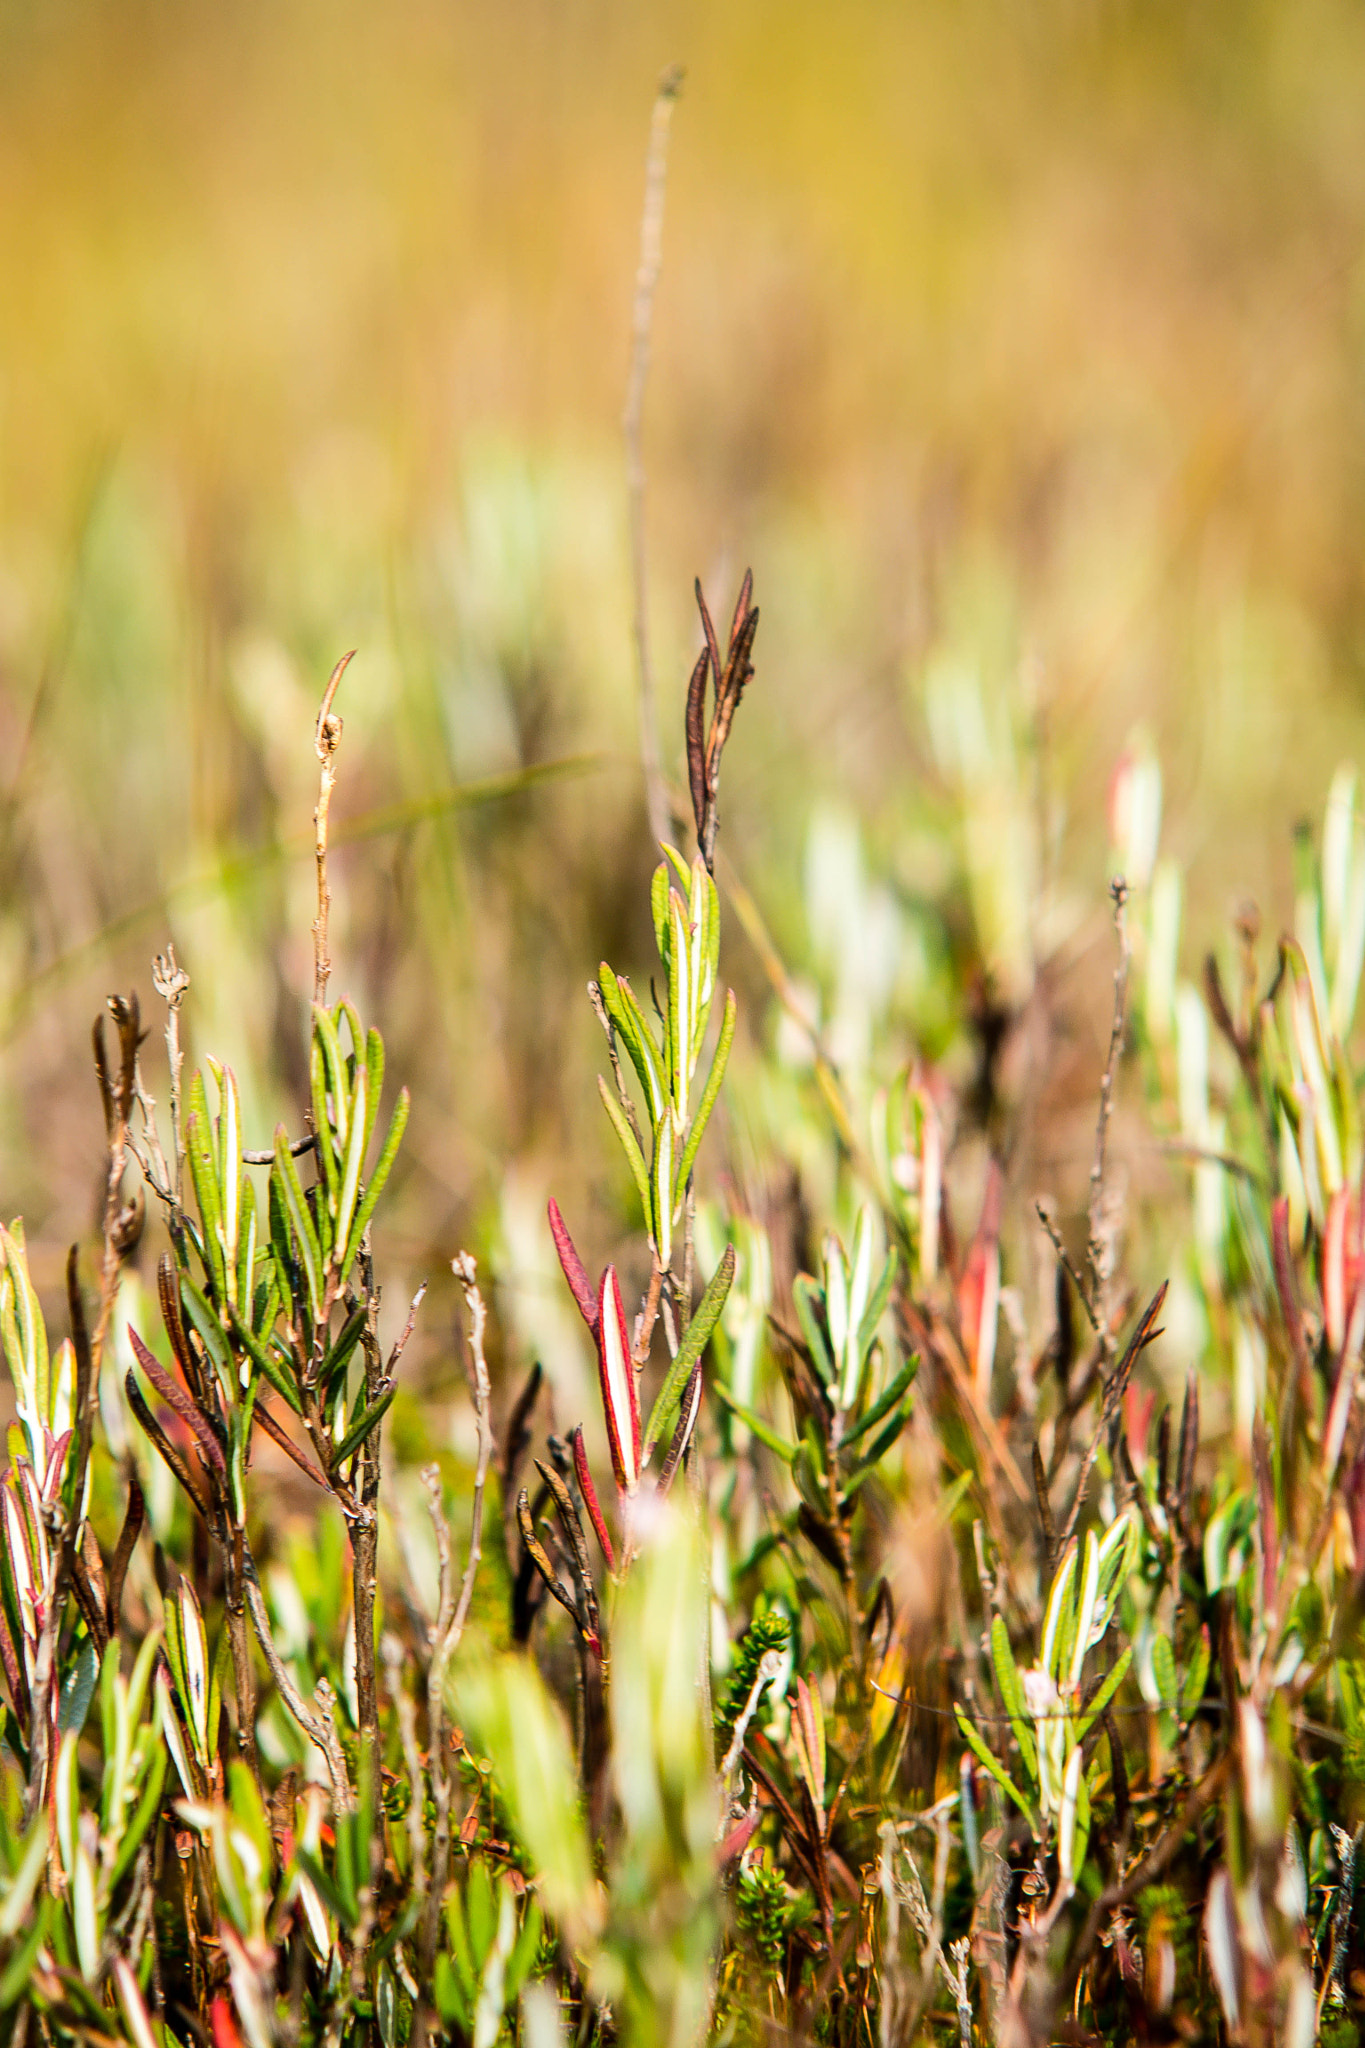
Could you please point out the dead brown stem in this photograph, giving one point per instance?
(646, 281)
(326, 740)
(1095, 1248)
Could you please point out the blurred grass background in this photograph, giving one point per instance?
(1020, 351)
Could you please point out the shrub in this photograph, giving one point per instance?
(898, 1671)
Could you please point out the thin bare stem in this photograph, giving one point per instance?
(326, 740)
(1065, 1257)
(393, 1655)
(452, 1615)
(769, 1668)
(319, 1727)
(646, 280)
(1097, 1255)
(171, 983)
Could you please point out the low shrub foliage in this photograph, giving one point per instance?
(888, 1658)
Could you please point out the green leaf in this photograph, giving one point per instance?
(710, 1092)
(658, 903)
(16, 1983)
(363, 1424)
(374, 1067)
(507, 1712)
(629, 1145)
(679, 1006)
(635, 1035)
(481, 1912)
(524, 1949)
(808, 1298)
(1061, 1621)
(147, 1808)
(1012, 1693)
(760, 1428)
(222, 1664)
(205, 1322)
(355, 1159)
(374, 1188)
(1196, 1677)
(876, 1307)
(31, 1864)
(199, 1151)
(266, 1361)
(323, 1147)
(695, 1339)
(285, 1262)
(886, 1401)
(1113, 1680)
(246, 1243)
(338, 1357)
(300, 1220)
(454, 2007)
(322, 1884)
(996, 1768)
(337, 1120)
(1163, 1671)
(661, 1190)
(866, 1466)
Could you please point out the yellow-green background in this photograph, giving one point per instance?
(1028, 337)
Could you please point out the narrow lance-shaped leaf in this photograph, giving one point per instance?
(246, 1249)
(364, 1424)
(1012, 1693)
(694, 1342)
(629, 1145)
(176, 1398)
(209, 1331)
(355, 1159)
(148, 1806)
(876, 1306)
(589, 1493)
(300, 1219)
(1085, 1613)
(323, 1147)
(266, 1361)
(885, 1402)
(764, 1431)
(681, 870)
(859, 1291)
(1110, 1685)
(620, 1400)
(679, 1007)
(1066, 1827)
(374, 1188)
(634, 1033)
(579, 1284)
(169, 1454)
(658, 903)
(709, 1093)
(688, 1410)
(662, 1190)
(1055, 1634)
(699, 965)
(199, 1151)
(339, 1117)
(229, 1168)
(808, 1299)
(23, 1330)
(994, 1766)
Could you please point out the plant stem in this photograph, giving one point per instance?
(646, 279)
(326, 740)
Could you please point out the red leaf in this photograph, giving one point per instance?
(574, 1271)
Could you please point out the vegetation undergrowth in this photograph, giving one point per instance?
(890, 1659)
